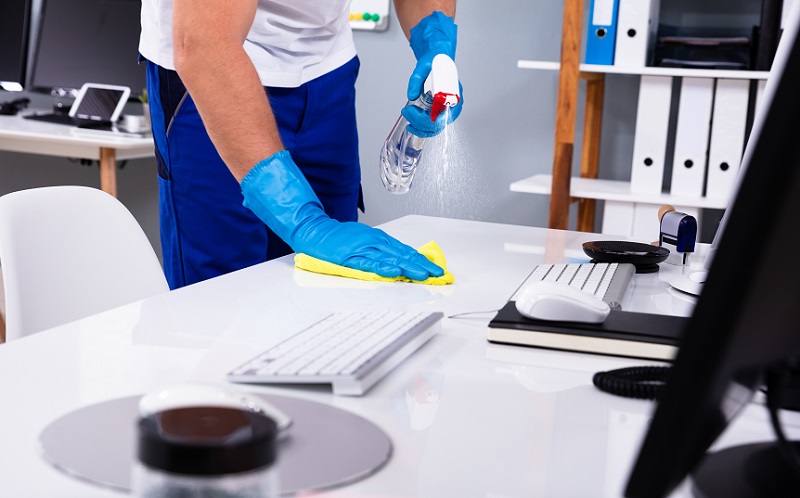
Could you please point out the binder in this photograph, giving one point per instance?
(650, 139)
(618, 218)
(645, 225)
(760, 86)
(602, 32)
(729, 123)
(637, 23)
(691, 137)
(786, 9)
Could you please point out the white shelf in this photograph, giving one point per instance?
(650, 71)
(612, 190)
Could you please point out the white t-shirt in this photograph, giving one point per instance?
(291, 41)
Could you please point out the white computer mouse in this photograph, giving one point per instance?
(210, 394)
(560, 302)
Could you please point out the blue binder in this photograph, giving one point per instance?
(602, 32)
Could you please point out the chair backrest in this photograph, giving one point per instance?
(68, 252)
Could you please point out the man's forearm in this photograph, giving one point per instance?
(224, 84)
(410, 12)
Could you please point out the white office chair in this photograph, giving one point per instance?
(68, 252)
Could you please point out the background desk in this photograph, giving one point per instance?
(467, 418)
(18, 134)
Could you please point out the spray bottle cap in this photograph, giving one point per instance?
(442, 83)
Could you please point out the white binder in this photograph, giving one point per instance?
(618, 218)
(760, 86)
(727, 136)
(637, 23)
(786, 11)
(691, 137)
(650, 139)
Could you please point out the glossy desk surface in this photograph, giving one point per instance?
(466, 417)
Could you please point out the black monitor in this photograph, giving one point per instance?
(746, 323)
(14, 24)
(87, 41)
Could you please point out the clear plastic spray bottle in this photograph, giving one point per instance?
(402, 150)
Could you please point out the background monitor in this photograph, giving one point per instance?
(82, 41)
(14, 25)
(746, 322)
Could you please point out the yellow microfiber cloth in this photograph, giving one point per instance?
(430, 250)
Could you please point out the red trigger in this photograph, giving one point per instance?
(438, 105)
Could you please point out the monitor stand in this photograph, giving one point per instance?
(691, 283)
(748, 471)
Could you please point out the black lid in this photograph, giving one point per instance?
(207, 440)
(645, 257)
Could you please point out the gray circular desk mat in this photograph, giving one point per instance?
(325, 447)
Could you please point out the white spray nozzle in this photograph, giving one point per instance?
(442, 83)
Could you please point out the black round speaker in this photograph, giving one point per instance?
(645, 257)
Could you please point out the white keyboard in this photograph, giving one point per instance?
(608, 281)
(350, 351)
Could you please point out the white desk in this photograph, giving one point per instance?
(36, 137)
(467, 418)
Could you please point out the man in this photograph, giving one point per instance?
(252, 105)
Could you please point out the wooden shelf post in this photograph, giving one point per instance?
(592, 125)
(568, 79)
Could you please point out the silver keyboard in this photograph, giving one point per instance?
(608, 281)
(350, 351)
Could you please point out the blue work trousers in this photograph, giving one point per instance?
(205, 230)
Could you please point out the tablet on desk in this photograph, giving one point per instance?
(98, 102)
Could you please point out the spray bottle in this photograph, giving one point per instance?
(402, 150)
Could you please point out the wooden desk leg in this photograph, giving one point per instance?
(592, 125)
(108, 170)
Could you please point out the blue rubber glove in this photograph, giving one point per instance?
(433, 35)
(278, 193)
(419, 120)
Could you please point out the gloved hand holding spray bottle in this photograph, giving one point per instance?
(433, 41)
(278, 193)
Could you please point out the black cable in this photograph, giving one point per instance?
(633, 382)
(81, 161)
(467, 314)
(776, 381)
(92, 162)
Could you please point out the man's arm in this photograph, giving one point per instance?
(208, 37)
(431, 32)
(410, 12)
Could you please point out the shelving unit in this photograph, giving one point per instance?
(626, 212)
(612, 190)
(650, 71)
(586, 189)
